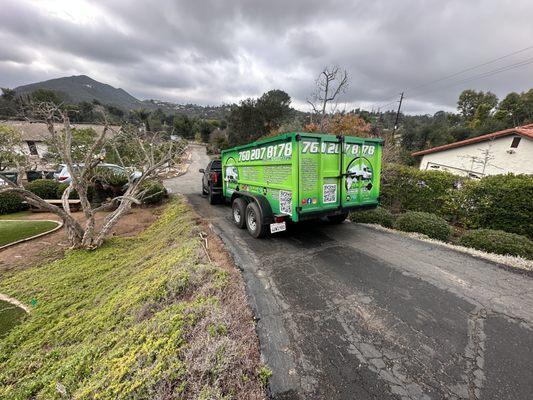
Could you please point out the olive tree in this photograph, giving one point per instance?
(142, 151)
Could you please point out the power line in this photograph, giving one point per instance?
(479, 76)
(484, 74)
(472, 68)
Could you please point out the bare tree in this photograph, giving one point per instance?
(145, 152)
(331, 82)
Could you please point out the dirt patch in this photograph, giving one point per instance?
(51, 247)
(238, 311)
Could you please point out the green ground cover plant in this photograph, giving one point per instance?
(141, 317)
(11, 231)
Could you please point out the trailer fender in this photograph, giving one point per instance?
(264, 206)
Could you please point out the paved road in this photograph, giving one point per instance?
(350, 312)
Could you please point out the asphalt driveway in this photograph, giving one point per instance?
(351, 312)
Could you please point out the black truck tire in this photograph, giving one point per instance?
(254, 221)
(204, 192)
(337, 219)
(213, 198)
(238, 211)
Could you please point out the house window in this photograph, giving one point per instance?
(33, 148)
(516, 142)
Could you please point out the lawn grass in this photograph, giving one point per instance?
(140, 318)
(11, 231)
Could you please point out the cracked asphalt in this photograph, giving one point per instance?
(350, 312)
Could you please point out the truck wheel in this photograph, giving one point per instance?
(204, 192)
(213, 198)
(254, 222)
(337, 219)
(238, 209)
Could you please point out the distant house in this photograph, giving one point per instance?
(510, 150)
(35, 136)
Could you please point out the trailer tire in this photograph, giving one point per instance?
(254, 221)
(337, 219)
(238, 211)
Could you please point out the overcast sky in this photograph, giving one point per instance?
(214, 52)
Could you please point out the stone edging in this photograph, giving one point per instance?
(59, 226)
(15, 302)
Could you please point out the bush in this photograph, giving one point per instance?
(44, 188)
(407, 188)
(153, 192)
(500, 242)
(501, 202)
(378, 215)
(426, 223)
(10, 203)
(62, 187)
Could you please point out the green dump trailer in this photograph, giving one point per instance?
(300, 176)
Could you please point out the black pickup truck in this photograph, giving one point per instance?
(212, 181)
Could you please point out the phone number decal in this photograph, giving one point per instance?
(333, 148)
(273, 152)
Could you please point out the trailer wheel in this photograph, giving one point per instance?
(238, 210)
(254, 221)
(337, 219)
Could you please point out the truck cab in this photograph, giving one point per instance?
(212, 181)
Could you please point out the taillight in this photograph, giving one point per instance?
(279, 218)
(62, 178)
(214, 177)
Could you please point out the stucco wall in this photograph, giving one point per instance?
(470, 158)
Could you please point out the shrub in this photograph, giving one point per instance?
(62, 187)
(500, 242)
(10, 203)
(501, 202)
(153, 192)
(426, 223)
(407, 188)
(44, 188)
(378, 215)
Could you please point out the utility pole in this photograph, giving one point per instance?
(397, 115)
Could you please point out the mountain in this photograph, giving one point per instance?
(75, 89)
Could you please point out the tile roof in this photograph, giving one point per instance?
(38, 131)
(525, 130)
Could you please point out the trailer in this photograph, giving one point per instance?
(300, 176)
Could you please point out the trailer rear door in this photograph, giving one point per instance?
(319, 177)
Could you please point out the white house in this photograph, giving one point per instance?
(510, 150)
(35, 136)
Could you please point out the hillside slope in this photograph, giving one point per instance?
(80, 88)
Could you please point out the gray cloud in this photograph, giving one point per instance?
(214, 52)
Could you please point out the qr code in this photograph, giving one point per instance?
(285, 202)
(330, 193)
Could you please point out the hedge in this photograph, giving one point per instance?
(10, 203)
(44, 188)
(501, 202)
(380, 216)
(500, 242)
(406, 188)
(425, 223)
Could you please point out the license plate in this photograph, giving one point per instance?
(278, 227)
